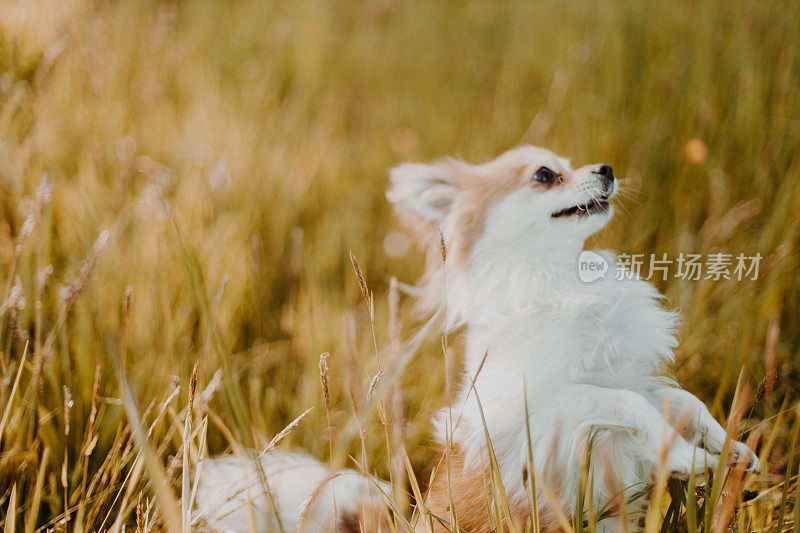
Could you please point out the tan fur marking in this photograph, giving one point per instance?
(482, 187)
(370, 518)
(469, 489)
(479, 188)
(481, 193)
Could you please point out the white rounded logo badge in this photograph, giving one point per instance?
(591, 266)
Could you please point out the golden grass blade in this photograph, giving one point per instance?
(11, 512)
(131, 484)
(285, 431)
(712, 518)
(422, 512)
(789, 470)
(769, 442)
(186, 508)
(305, 507)
(79, 520)
(653, 516)
(691, 500)
(167, 501)
(244, 459)
(732, 495)
(399, 516)
(452, 503)
(14, 387)
(592, 518)
(715, 490)
(580, 501)
(533, 501)
(201, 452)
(589, 473)
(796, 527)
(36, 499)
(495, 468)
(553, 502)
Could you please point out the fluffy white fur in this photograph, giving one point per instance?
(230, 488)
(589, 356)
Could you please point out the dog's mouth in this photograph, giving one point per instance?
(593, 207)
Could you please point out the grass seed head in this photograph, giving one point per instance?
(362, 284)
(323, 377)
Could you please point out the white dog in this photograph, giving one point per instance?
(589, 357)
(285, 491)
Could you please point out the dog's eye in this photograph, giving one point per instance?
(545, 175)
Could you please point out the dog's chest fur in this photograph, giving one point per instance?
(611, 333)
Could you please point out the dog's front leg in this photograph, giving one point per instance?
(585, 407)
(691, 417)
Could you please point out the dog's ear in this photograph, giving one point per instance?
(424, 192)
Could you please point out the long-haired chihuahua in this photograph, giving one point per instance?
(591, 359)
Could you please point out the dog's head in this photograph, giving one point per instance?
(526, 205)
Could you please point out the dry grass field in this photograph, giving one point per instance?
(181, 183)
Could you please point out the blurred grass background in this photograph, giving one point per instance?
(237, 151)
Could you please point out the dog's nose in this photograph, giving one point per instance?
(606, 172)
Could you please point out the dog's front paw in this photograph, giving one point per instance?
(741, 456)
(684, 460)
